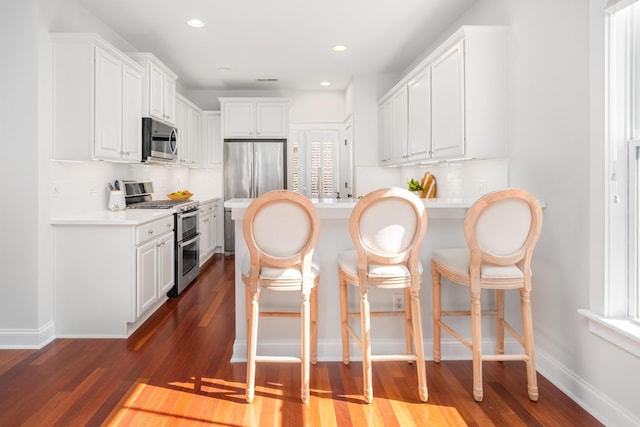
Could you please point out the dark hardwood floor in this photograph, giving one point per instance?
(175, 370)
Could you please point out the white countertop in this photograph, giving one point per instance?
(350, 203)
(125, 217)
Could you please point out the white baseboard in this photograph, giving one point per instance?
(598, 404)
(27, 338)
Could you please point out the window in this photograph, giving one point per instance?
(623, 143)
(313, 168)
(614, 300)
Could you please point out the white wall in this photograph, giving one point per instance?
(19, 172)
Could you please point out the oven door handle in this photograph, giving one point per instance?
(189, 214)
(188, 242)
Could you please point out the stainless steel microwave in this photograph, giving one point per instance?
(159, 142)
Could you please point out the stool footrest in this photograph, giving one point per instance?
(278, 359)
(393, 358)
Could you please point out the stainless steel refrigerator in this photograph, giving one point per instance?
(251, 168)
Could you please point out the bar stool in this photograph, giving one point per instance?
(387, 228)
(281, 229)
(501, 230)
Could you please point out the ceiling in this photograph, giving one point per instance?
(289, 40)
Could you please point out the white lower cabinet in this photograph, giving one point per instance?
(110, 278)
(208, 225)
(155, 270)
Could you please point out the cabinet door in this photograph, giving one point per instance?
(183, 114)
(271, 119)
(147, 276)
(205, 237)
(239, 119)
(399, 125)
(166, 267)
(213, 138)
(108, 104)
(156, 92)
(447, 103)
(195, 137)
(419, 117)
(131, 115)
(169, 104)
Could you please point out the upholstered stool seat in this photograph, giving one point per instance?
(348, 262)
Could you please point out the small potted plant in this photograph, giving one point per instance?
(415, 187)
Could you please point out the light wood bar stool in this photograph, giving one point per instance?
(281, 229)
(501, 230)
(387, 228)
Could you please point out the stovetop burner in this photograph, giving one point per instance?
(157, 204)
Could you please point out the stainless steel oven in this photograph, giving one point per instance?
(187, 249)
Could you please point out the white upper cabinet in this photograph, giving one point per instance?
(189, 124)
(255, 117)
(447, 100)
(452, 105)
(419, 116)
(212, 139)
(159, 88)
(96, 100)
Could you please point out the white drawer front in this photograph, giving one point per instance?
(153, 229)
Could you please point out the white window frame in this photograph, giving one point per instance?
(613, 183)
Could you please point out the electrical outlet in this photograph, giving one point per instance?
(397, 301)
(482, 186)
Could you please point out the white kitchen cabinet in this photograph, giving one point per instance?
(399, 113)
(384, 132)
(96, 100)
(159, 88)
(419, 116)
(255, 117)
(456, 102)
(208, 226)
(189, 124)
(109, 278)
(212, 140)
(447, 98)
(155, 265)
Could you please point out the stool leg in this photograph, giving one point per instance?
(408, 321)
(416, 317)
(436, 311)
(500, 321)
(305, 351)
(253, 315)
(365, 325)
(344, 317)
(476, 343)
(527, 325)
(314, 323)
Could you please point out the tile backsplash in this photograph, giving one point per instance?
(78, 187)
(467, 179)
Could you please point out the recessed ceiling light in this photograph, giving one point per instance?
(339, 48)
(195, 23)
(325, 84)
(224, 69)
(266, 79)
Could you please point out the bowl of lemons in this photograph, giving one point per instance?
(180, 195)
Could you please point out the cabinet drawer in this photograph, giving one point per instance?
(208, 207)
(154, 229)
